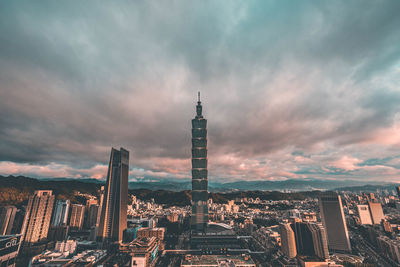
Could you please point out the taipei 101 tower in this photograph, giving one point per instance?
(199, 218)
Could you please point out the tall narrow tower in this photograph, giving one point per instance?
(114, 207)
(199, 171)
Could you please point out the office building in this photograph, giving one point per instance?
(217, 261)
(218, 239)
(100, 205)
(114, 207)
(334, 222)
(151, 232)
(376, 211)
(7, 216)
(92, 215)
(364, 214)
(143, 251)
(199, 217)
(9, 248)
(58, 233)
(68, 246)
(390, 248)
(288, 243)
(61, 212)
(310, 240)
(38, 216)
(77, 216)
(320, 242)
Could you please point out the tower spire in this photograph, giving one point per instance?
(199, 108)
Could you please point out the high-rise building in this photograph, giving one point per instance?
(38, 216)
(7, 216)
(303, 238)
(77, 216)
(92, 215)
(100, 206)
(60, 213)
(199, 217)
(319, 240)
(364, 214)
(376, 212)
(288, 243)
(115, 203)
(398, 191)
(334, 222)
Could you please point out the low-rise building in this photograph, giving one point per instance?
(143, 251)
(217, 261)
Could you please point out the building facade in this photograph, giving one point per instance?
(334, 222)
(7, 216)
(61, 212)
(114, 207)
(288, 243)
(38, 216)
(151, 232)
(364, 214)
(199, 217)
(9, 248)
(143, 251)
(320, 242)
(77, 216)
(376, 211)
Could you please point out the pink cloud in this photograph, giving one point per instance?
(346, 163)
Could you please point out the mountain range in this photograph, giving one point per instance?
(293, 185)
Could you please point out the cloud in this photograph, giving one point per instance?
(320, 78)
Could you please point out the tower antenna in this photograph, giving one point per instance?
(198, 95)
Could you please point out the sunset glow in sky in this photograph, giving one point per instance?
(291, 89)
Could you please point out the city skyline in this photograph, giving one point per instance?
(299, 90)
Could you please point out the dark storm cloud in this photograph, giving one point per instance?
(276, 77)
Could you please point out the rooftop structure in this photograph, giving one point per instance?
(217, 261)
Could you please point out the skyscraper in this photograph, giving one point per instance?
(7, 216)
(319, 240)
(288, 243)
(376, 212)
(92, 215)
(114, 207)
(60, 214)
(398, 191)
(38, 216)
(333, 219)
(303, 238)
(100, 206)
(77, 216)
(199, 217)
(364, 214)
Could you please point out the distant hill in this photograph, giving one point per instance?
(285, 185)
(17, 189)
(368, 188)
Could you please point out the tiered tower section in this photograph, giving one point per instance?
(199, 171)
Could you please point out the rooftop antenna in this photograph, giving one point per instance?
(198, 95)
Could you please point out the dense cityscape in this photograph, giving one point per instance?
(184, 133)
(115, 228)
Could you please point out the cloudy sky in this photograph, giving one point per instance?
(291, 89)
